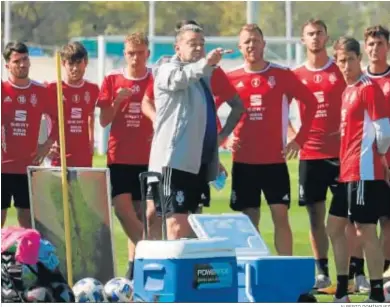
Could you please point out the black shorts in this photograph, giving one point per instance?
(182, 191)
(315, 178)
(249, 180)
(204, 197)
(364, 201)
(125, 179)
(14, 186)
(386, 207)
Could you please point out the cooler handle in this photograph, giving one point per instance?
(248, 282)
(154, 267)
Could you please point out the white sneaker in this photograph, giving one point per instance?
(362, 285)
(322, 281)
(344, 299)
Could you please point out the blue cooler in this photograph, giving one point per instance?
(261, 277)
(189, 270)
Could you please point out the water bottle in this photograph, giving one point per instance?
(220, 181)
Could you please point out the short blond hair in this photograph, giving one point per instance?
(137, 38)
(251, 27)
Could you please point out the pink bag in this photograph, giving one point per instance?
(28, 243)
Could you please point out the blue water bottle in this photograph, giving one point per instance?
(220, 181)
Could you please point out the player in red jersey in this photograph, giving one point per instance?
(79, 99)
(365, 139)
(130, 135)
(377, 48)
(23, 102)
(319, 163)
(259, 143)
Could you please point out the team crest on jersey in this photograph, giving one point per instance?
(271, 82)
(135, 89)
(76, 98)
(21, 99)
(255, 82)
(33, 100)
(332, 78)
(317, 78)
(180, 198)
(386, 88)
(87, 97)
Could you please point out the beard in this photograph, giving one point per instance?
(317, 50)
(21, 75)
(254, 58)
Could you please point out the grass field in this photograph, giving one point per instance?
(220, 203)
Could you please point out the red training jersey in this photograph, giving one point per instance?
(327, 84)
(21, 113)
(363, 103)
(383, 80)
(79, 104)
(262, 131)
(131, 132)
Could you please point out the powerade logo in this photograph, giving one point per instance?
(213, 275)
(212, 272)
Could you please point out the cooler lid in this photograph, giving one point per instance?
(237, 227)
(185, 249)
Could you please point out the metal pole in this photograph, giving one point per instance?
(7, 22)
(7, 32)
(252, 11)
(298, 54)
(104, 132)
(289, 29)
(152, 26)
(101, 55)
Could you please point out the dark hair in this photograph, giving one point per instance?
(348, 44)
(250, 27)
(73, 52)
(376, 31)
(188, 27)
(18, 47)
(317, 22)
(185, 22)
